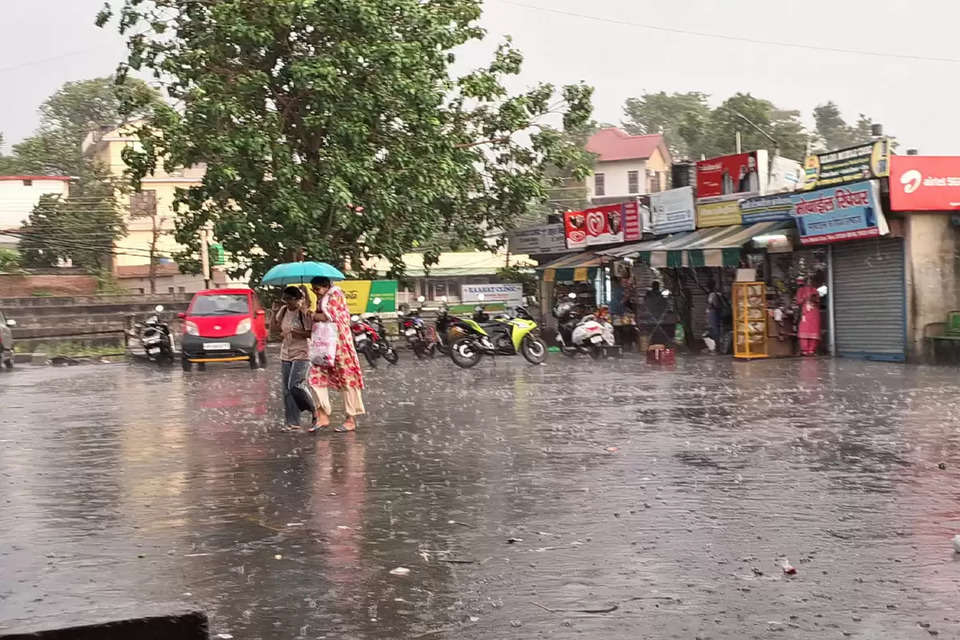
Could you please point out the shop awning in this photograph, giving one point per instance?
(709, 247)
(578, 267)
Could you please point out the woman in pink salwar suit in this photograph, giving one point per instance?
(808, 328)
(345, 375)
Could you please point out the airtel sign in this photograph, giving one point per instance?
(924, 183)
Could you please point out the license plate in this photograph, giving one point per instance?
(411, 332)
(153, 350)
(596, 339)
(216, 346)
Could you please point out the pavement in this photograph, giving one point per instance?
(577, 499)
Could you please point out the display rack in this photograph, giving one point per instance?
(749, 320)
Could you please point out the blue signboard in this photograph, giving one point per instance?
(849, 212)
(770, 208)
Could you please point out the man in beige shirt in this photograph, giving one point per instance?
(295, 325)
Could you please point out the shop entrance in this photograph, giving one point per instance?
(869, 299)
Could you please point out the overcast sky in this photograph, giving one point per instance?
(43, 44)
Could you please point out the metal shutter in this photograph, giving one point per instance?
(869, 299)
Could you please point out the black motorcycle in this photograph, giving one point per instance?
(448, 328)
(414, 330)
(370, 337)
(155, 337)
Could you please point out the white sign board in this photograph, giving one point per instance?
(509, 294)
(546, 238)
(672, 211)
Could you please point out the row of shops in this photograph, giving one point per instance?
(840, 266)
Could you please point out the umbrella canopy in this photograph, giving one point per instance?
(300, 273)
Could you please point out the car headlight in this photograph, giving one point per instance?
(243, 326)
(191, 328)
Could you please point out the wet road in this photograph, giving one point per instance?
(641, 503)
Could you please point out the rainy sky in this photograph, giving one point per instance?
(904, 55)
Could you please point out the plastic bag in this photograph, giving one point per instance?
(323, 344)
(322, 349)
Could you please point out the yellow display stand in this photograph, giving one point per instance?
(749, 320)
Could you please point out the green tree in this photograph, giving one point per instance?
(9, 165)
(753, 117)
(678, 116)
(834, 133)
(66, 117)
(82, 228)
(336, 128)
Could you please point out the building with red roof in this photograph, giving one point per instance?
(627, 166)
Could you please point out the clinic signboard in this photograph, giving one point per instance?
(924, 183)
(508, 294)
(861, 162)
(610, 224)
(837, 214)
(672, 211)
(547, 238)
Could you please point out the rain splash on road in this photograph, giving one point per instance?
(577, 499)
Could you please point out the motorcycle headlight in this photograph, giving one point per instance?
(244, 326)
(191, 328)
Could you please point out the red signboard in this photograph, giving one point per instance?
(729, 175)
(924, 183)
(602, 225)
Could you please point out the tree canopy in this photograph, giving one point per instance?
(337, 129)
(692, 128)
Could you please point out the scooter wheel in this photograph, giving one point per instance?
(464, 353)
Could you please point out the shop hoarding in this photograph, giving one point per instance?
(609, 224)
(770, 208)
(509, 294)
(548, 238)
(718, 213)
(360, 295)
(673, 211)
(862, 162)
(924, 183)
(742, 174)
(848, 212)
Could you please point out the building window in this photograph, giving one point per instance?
(633, 181)
(28, 183)
(598, 185)
(143, 204)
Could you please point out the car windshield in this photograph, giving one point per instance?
(221, 305)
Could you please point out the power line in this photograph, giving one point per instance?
(722, 36)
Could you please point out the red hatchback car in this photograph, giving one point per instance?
(224, 325)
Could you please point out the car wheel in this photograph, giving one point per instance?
(186, 364)
(254, 361)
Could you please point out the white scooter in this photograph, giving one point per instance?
(581, 335)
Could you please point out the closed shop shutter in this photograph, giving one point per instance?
(869, 299)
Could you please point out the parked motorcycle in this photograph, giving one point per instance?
(155, 337)
(576, 334)
(506, 335)
(370, 337)
(448, 328)
(413, 328)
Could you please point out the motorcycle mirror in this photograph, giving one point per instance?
(421, 299)
(158, 308)
(377, 301)
(572, 295)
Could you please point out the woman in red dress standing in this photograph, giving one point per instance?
(345, 375)
(808, 328)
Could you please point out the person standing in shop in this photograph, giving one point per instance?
(715, 309)
(808, 327)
